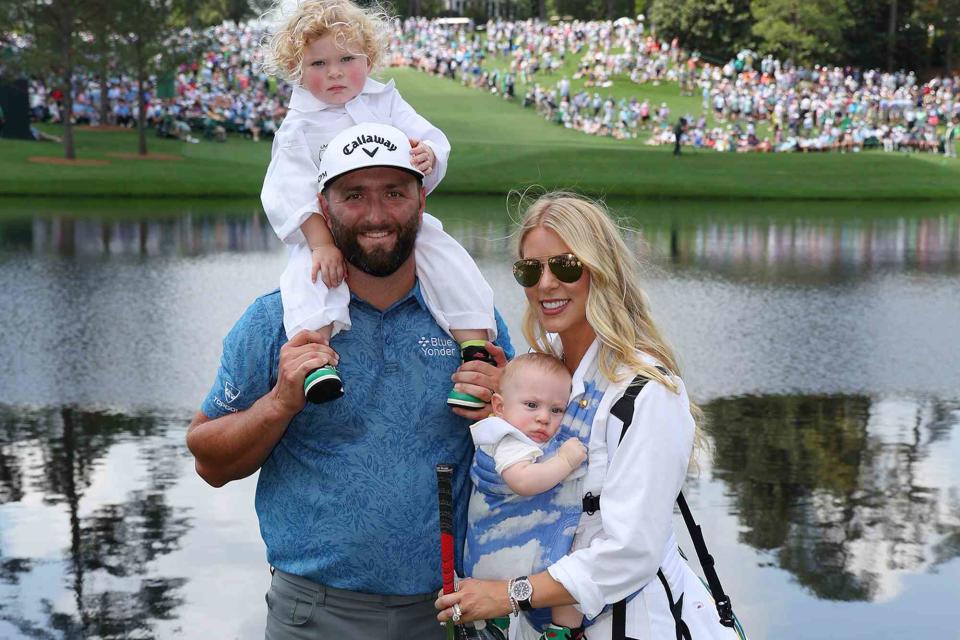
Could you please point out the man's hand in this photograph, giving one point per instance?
(481, 380)
(422, 156)
(327, 260)
(308, 350)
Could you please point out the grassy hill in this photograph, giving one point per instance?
(497, 146)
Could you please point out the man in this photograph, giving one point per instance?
(678, 130)
(346, 495)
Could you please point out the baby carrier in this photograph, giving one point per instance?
(512, 534)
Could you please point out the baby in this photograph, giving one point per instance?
(534, 390)
(327, 49)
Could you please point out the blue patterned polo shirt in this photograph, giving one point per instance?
(348, 497)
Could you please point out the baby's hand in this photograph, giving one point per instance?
(327, 260)
(422, 156)
(573, 452)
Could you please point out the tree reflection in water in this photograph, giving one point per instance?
(839, 493)
(55, 453)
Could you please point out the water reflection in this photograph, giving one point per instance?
(819, 344)
(849, 495)
(846, 492)
(809, 249)
(798, 248)
(186, 236)
(68, 530)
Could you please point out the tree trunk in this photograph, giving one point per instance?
(104, 100)
(630, 8)
(542, 9)
(413, 7)
(611, 9)
(66, 39)
(141, 105)
(103, 55)
(948, 55)
(892, 35)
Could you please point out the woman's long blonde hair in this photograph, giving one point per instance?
(617, 308)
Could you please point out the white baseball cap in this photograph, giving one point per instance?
(365, 145)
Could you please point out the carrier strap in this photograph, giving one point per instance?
(623, 409)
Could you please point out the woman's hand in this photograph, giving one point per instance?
(478, 600)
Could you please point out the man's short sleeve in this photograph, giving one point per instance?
(248, 363)
(503, 336)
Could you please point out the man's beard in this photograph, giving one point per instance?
(376, 262)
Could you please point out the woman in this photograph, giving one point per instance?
(585, 306)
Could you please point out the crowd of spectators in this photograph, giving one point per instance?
(221, 91)
(747, 104)
(567, 72)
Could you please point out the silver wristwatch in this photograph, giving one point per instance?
(520, 591)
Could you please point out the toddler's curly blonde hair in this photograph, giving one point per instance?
(351, 25)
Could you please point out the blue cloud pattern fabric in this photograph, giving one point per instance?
(509, 535)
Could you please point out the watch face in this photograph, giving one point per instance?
(522, 590)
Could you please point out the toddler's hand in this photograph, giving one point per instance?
(422, 156)
(328, 261)
(573, 452)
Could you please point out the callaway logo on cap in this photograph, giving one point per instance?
(362, 146)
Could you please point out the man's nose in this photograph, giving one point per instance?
(376, 211)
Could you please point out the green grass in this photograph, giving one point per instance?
(497, 146)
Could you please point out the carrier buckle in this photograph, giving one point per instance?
(725, 609)
(591, 503)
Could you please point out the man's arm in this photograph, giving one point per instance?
(235, 445)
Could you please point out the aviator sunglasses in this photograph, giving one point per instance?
(565, 267)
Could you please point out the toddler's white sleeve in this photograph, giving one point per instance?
(289, 193)
(307, 304)
(403, 117)
(455, 291)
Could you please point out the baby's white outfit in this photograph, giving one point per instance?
(503, 442)
(454, 289)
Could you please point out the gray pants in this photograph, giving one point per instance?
(299, 609)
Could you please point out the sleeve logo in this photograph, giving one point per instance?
(230, 392)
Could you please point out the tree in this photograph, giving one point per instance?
(148, 30)
(100, 50)
(717, 28)
(942, 18)
(892, 34)
(235, 10)
(806, 31)
(50, 28)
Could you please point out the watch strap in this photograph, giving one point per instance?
(513, 602)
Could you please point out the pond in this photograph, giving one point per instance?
(820, 339)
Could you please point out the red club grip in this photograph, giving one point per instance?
(445, 503)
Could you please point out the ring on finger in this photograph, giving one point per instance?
(457, 614)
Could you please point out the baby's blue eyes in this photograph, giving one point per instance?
(344, 59)
(533, 405)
